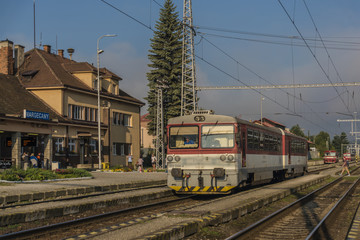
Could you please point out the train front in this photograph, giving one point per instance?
(202, 154)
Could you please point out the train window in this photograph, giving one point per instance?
(217, 136)
(272, 143)
(184, 137)
(266, 143)
(261, 145)
(250, 138)
(278, 145)
(256, 140)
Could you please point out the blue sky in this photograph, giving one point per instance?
(221, 28)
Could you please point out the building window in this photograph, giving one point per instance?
(59, 145)
(72, 144)
(121, 149)
(117, 118)
(127, 120)
(87, 114)
(93, 145)
(82, 113)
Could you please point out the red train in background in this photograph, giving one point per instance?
(330, 156)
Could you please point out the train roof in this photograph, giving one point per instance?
(208, 117)
(202, 118)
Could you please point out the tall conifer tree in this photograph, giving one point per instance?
(165, 57)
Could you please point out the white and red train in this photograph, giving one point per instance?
(214, 154)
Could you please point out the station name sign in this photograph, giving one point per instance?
(36, 115)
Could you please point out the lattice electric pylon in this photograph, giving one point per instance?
(188, 80)
(160, 151)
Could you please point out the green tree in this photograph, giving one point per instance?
(338, 140)
(297, 131)
(165, 57)
(322, 141)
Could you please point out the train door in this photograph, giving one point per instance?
(243, 146)
(289, 151)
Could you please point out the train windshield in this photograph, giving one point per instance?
(184, 137)
(217, 136)
(330, 154)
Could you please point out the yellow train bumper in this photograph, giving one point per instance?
(202, 190)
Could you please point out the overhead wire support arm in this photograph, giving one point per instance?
(317, 85)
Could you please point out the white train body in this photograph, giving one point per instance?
(209, 153)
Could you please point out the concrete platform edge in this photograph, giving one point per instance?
(38, 196)
(18, 218)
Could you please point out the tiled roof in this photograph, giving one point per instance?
(14, 98)
(51, 70)
(144, 118)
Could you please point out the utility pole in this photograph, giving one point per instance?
(160, 151)
(353, 131)
(188, 79)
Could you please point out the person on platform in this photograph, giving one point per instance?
(130, 164)
(33, 160)
(153, 161)
(139, 164)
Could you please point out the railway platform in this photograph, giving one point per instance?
(101, 182)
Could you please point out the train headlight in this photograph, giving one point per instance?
(230, 157)
(222, 157)
(170, 158)
(177, 158)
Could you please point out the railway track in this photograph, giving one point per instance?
(306, 218)
(66, 229)
(110, 220)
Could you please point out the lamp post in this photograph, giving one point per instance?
(98, 52)
(261, 115)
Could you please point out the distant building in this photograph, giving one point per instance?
(67, 91)
(270, 123)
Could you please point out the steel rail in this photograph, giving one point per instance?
(271, 216)
(26, 233)
(318, 227)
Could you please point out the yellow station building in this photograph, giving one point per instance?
(53, 109)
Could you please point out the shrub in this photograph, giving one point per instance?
(15, 174)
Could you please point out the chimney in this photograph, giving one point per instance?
(6, 57)
(47, 48)
(61, 52)
(19, 56)
(70, 52)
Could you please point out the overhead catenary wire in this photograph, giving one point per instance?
(335, 47)
(327, 52)
(312, 53)
(259, 92)
(269, 35)
(262, 78)
(149, 27)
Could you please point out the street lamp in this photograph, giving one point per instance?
(98, 52)
(261, 116)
